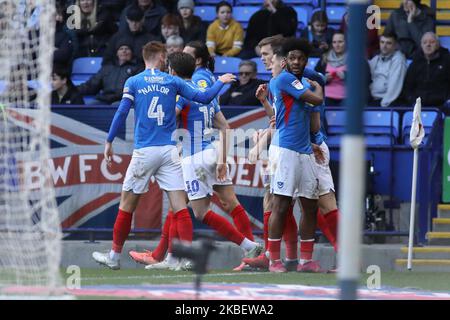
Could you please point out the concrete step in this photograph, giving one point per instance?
(441, 224)
(444, 211)
(438, 238)
(439, 253)
(425, 265)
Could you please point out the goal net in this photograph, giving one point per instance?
(30, 236)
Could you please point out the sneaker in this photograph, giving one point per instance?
(163, 265)
(104, 259)
(311, 266)
(183, 265)
(291, 265)
(256, 251)
(261, 261)
(143, 257)
(277, 267)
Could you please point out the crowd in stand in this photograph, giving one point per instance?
(117, 30)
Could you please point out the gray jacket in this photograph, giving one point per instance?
(409, 34)
(388, 74)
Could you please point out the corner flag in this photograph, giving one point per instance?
(417, 132)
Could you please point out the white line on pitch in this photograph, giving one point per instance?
(175, 276)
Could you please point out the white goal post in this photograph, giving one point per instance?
(30, 235)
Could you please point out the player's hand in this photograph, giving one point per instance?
(318, 153)
(261, 92)
(313, 83)
(221, 171)
(227, 78)
(253, 154)
(273, 122)
(108, 154)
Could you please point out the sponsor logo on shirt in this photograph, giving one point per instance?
(202, 83)
(126, 90)
(297, 85)
(154, 79)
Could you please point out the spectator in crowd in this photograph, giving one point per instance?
(134, 34)
(107, 84)
(333, 65)
(428, 76)
(153, 13)
(409, 23)
(193, 27)
(388, 70)
(242, 92)
(64, 92)
(66, 43)
(225, 35)
(274, 18)
(373, 41)
(170, 26)
(318, 33)
(96, 29)
(174, 44)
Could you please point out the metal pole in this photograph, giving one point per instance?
(413, 209)
(352, 166)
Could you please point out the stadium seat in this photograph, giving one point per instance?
(243, 14)
(84, 68)
(312, 62)
(335, 13)
(375, 122)
(310, 2)
(226, 65)
(428, 119)
(334, 140)
(445, 42)
(224, 89)
(248, 2)
(342, 2)
(207, 13)
(378, 140)
(302, 17)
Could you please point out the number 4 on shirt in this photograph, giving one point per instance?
(155, 111)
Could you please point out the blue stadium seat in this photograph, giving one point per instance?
(335, 13)
(243, 14)
(375, 122)
(84, 68)
(378, 140)
(224, 88)
(310, 2)
(226, 65)
(334, 140)
(302, 17)
(248, 2)
(428, 119)
(445, 42)
(207, 13)
(342, 2)
(312, 62)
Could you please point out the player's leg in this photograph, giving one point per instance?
(228, 197)
(290, 238)
(328, 216)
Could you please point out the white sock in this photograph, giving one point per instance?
(171, 259)
(247, 245)
(114, 255)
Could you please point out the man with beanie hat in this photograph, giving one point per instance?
(193, 28)
(153, 13)
(409, 23)
(107, 84)
(134, 34)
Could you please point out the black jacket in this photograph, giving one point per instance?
(152, 18)
(409, 35)
(197, 31)
(136, 40)
(72, 97)
(110, 81)
(238, 95)
(264, 24)
(92, 41)
(66, 45)
(429, 80)
(315, 41)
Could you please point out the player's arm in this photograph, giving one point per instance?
(207, 95)
(179, 106)
(262, 142)
(118, 120)
(222, 124)
(288, 83)
(261, 95)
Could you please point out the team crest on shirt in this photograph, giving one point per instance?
(280, 184)
(177, 98)
(202, 83)
(126, 90)
(297, 85)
